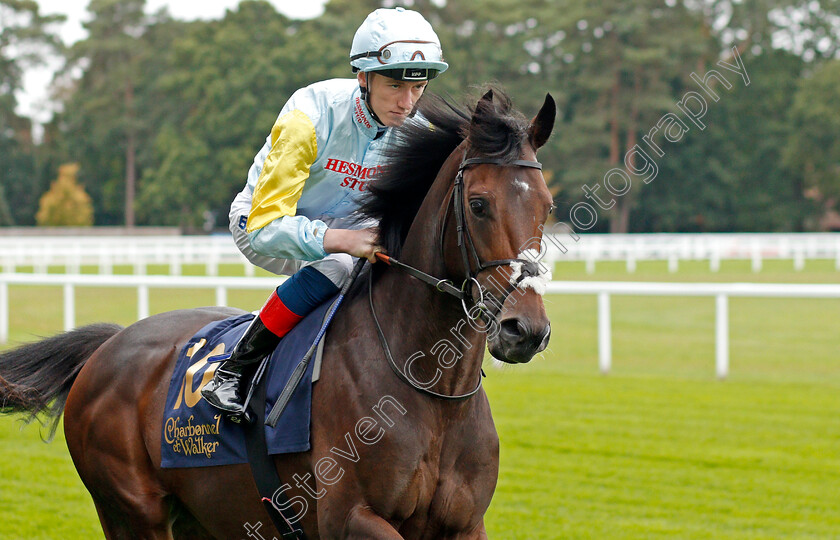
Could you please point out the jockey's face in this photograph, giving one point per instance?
(392, 100)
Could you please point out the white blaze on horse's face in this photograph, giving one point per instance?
(521, 185)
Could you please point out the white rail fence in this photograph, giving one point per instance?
(142, 283)
(720, 291)
(674, 247)
(211, 251)
(105, 252)
(603, 290)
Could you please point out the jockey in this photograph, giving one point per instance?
(294, 215)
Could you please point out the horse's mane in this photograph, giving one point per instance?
(493, 127)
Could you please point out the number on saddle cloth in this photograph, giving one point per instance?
(193, 435)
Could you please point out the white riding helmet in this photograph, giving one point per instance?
(398, 43)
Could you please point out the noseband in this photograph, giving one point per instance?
(468, 254)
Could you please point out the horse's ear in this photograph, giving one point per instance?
(484, 104)
(483, 107)
(543, 123)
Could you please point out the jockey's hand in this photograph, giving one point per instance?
(362, 243)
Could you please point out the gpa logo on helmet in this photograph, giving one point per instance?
(415, 73)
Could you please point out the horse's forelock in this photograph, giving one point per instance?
(496, 130)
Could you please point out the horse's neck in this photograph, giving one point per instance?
(421, 322)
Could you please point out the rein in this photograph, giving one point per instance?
(467, 248)
(400, 375)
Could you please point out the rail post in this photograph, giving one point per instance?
(69, 307)
(604, 333)
(142, 301)
(721, 336)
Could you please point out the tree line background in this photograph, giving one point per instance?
(161, 118)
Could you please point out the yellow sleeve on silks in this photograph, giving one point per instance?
(294, 148)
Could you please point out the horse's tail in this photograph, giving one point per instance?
(35, 378)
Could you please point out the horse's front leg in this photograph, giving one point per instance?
(363, 524)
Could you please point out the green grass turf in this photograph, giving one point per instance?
(737, 270)
(656, 449)
(41, 496)
(654, 457)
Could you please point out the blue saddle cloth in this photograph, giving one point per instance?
(196, 434)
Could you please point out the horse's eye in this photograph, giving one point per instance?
(552, 208)
(478, 207)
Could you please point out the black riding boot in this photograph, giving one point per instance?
(225, 390)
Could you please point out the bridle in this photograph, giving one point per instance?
(467, 246)
(468, 254)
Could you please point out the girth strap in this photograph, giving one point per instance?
(262, 465)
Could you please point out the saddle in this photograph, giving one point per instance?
(196, 434)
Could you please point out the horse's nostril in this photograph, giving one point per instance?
(514, 330)
(546, 337)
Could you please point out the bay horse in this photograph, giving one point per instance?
(390, 456)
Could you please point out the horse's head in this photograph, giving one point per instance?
(486, 226)
(504, 202)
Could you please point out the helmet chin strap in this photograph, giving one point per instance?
(366, 96)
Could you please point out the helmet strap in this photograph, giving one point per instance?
(366, 95)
